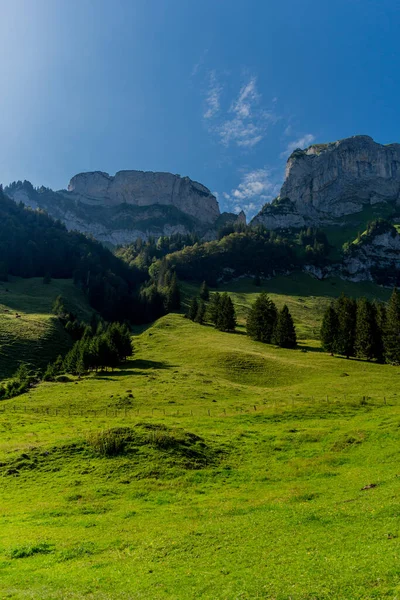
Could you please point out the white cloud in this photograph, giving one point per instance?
(302, 142)
(213, 97)
(255, 189)
(245, 123)
(248, 96)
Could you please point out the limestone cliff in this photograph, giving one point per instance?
(327, 182)
(145, 188)
(375, 256)
(130, 205)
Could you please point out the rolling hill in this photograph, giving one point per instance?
(208, 466)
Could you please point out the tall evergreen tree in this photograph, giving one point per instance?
(173, 301)
(329, 330)
(392, 330)
(226, 319)
(366, 340)
(346, 311)
(285, 332)
(201, 312)
(213, 307)
(380, 319)
(262, 319)
(193, 308)
(204, 292)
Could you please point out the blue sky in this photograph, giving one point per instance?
(217, 90)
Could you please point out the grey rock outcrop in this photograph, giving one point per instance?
(374, 253)
(326, 182)
(132, 204)
(145, 188)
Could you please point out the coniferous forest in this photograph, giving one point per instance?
(363, 329)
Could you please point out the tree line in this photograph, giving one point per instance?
(264, 322)
(363, 329)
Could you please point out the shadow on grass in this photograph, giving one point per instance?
(133, 367)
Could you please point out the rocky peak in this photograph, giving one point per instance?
(145, 188)
(328, 181)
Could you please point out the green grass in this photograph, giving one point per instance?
(306, 297)
(209, 466)
(36, 336)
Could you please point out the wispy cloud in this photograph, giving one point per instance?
(248, 97)
(245, 122)
(213, 97)
(197, 66)
(302, 142)
(254, 190)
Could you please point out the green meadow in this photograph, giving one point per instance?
(208, 466)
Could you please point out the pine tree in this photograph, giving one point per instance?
(59, 307)
(262, 319)
(380, 319)
(201, 311)
(193, 308)
(173, 301)
(392, 330)
(204, 292)
(213, 308)
(346, 311)
(285, 332)
(329, 330)
(366, 340)
(226, 318)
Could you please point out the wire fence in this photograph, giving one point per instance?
(267, 406)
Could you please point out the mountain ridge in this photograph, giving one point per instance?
(118, 209)
(326, 182)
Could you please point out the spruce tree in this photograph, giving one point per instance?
(226, 319)
(380, 319)
(262, 319)
(392, 330)
(193, 308)
(285, 332)
(366, 330)
(201, 311)
(346, 311)
(173, 301)
(204, 292)
(329, 330)
(213, 307)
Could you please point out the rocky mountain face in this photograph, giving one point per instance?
(132, 204)
(327, 182)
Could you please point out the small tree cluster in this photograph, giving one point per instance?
(222, 312)
(197, 306)
(363, 329)
(106, 349)
(265, 324)
(19, 383)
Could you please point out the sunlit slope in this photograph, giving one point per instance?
(35, 335)
(305, 296)
(238, 477)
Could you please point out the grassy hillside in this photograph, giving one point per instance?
(36, 336)
(305, 296)
(242, 471)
